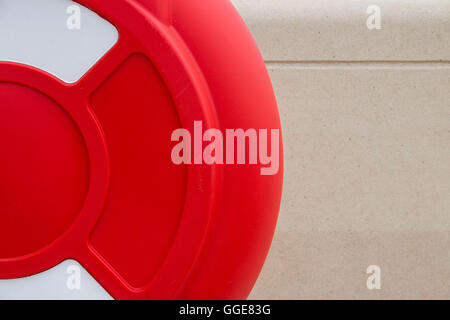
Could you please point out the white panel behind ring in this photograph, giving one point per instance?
(35, 32)
(67, 281)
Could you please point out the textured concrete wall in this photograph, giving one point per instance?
(366, 120)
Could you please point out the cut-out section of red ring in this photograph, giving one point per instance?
(147, 191)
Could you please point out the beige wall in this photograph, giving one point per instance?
(366, 120)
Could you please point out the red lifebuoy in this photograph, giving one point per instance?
(87, 169)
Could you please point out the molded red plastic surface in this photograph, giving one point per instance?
(86, 172)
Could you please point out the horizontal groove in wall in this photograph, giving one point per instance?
(334, 64)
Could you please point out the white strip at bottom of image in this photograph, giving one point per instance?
(67, 281)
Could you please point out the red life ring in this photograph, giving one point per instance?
(86, 171)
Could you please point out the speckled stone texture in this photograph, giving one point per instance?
(366, 120)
